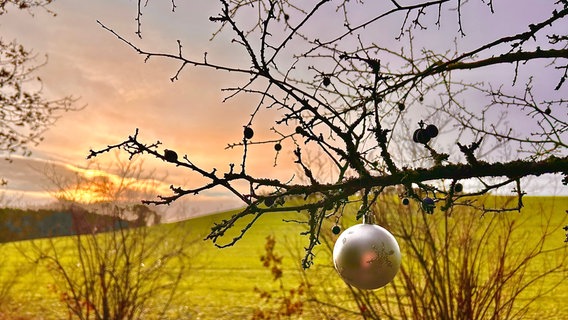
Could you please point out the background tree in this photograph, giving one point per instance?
(25, 111)
(23, 4)
(362, 104)
(114, 267)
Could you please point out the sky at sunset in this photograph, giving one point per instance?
(121, 93)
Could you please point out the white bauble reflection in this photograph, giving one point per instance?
(366, 256)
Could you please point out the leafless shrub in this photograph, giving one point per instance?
(459, 266)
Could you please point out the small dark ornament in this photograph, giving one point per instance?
(547, 110)
(405, 201)
(299, 130)
(248, 133)
(432, 131)
(336, 229)
(170, 155)
(415, 135)
(326, 81)
(421, 136)
(428, 205)
(269, 201)
(458, 187)
(286, 17)
(401, 106)
(278, 147)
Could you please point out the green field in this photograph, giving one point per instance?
(220, 283)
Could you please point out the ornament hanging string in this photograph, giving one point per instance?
(365, 211)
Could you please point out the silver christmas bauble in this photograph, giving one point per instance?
(366, 256)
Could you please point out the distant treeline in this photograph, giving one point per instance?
(25, 224)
